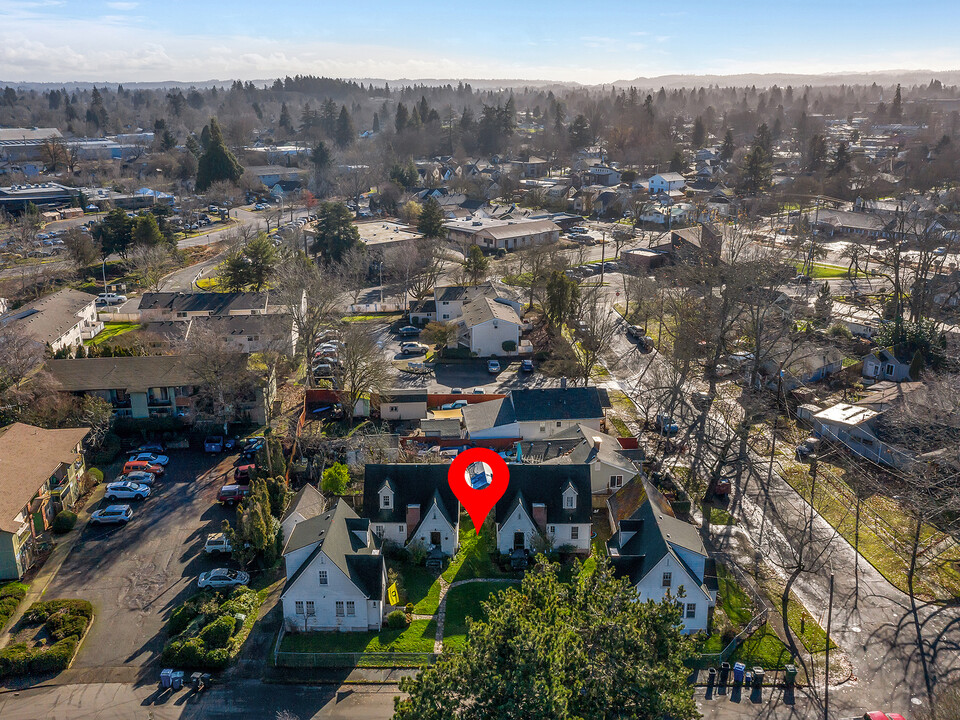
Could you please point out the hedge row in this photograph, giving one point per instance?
(210, 648)
(11, 595)
(64, 620)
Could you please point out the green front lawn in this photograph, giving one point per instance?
(822, 271)
(463, 602)
(763, 648)
(423, 589)
(111, 330)
(417, 637)
(473, 559)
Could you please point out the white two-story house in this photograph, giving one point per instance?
(661, 555)
(409, 503)
(336, 576)
(545, 505)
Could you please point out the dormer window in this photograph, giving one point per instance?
(569, 501)
(385, 500)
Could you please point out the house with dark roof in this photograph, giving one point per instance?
(887, 364)
(661, 554)
(544, 506)
(610, 465)
(408, 503)
(158, 306)
(531, 414)
(336, 576)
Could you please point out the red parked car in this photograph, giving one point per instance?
(232, 494)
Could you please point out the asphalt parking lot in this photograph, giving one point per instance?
(136, 574)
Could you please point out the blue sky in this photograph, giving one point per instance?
(589, 42)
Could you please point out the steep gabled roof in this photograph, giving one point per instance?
(556, 404)
(308, 503)
(536, 484)
(412, 484)
(333, 533)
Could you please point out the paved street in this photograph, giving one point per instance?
(136, 574)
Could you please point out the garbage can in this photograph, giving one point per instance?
(712, 676)
(166, 678)
(738, 671)
(791, 672)
(177, 680)
(747, 679)
(724, 672)
(757, 677)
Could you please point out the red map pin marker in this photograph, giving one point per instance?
(485, 486)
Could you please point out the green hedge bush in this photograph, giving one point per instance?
(180, 618)
(40, 611)
(11, 595)
(62, 625)
(18, 660)
(218, 633)
(397, 620)
(96, 474)
(64, 522)
(193, 654)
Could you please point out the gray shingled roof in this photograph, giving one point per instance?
(533, 484)
(412, 484)
(48, 319)
(210, 302)
(136, 373)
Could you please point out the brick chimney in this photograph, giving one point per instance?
(413, 519)
(540, 516)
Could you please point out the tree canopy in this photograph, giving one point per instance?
(336, 233)
(430, 222)
(586, 648)
(217, 162)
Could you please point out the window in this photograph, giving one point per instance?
(616, 481)
(569, 501)
(299, 607)
(553, 529)
(181, 314)
(691, 610)
(559, 423)
(667, 579)
(889, 369)
(311, 610)
(385, 501)
(575, 533)
(394, 408)
(378, 530)
(339, 608)
(446, 316)
(543, 427)
(352, 608)
(323, 577)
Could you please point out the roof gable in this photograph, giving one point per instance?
(412, 484)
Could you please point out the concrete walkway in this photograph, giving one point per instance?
(48, 571)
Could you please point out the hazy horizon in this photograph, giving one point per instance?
(170, 41)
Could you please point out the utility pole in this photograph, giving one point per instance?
(826, 679)
(603, 254)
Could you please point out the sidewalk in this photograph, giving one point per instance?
(45, 575)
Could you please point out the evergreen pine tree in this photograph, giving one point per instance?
(344, 133)
(430, 223)
(217, 162)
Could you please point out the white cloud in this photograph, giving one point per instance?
(122, 5)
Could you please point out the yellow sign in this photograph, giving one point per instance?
(393, 595)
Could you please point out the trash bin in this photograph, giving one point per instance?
(166, 678)
(757, 677)
(748, 679)
(712, 676)
(791, 671)
(724, 672)
(738, 671)
(177, 680)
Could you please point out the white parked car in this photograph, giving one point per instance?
(112, 515)
(139, 477)
(126, 491)
(217, 543)
(222, 578)
(109, 298)
(152, 458)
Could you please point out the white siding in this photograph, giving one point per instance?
(535, 430)
(403, 410)
(435, 522)
(487, 338)
(518, 521)
(511, 430)
(338, 587)
(651, 587)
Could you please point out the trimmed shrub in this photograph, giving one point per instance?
(218, 633)
(56, 658)
(180, 618)
(14, 660)
(10, 596)
(40, 611)
(64, 522)
(62, 625)
(397, 620)
(96, 475)
(408, 608)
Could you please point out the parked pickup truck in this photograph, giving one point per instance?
(217, 543)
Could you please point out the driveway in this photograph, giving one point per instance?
(136, 574)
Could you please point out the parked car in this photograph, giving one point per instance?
(112, 515)
(635, 331)
(142, 466)
(807, 448)
(222, 577)
(152, 458)
(801, 279)
(456, 391)
(139, 477)
(577, 229)
(493, 366)
(323, 370)
(110, 298)
(455, 405)
(251, 446)
(413, 348)
(665, 425)
(232, 494)
(217, 543)
(408, 331)
(213, 444)
(126, 491)
(526, 365)
(479, 391)
(242, 473)
(153, 447)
